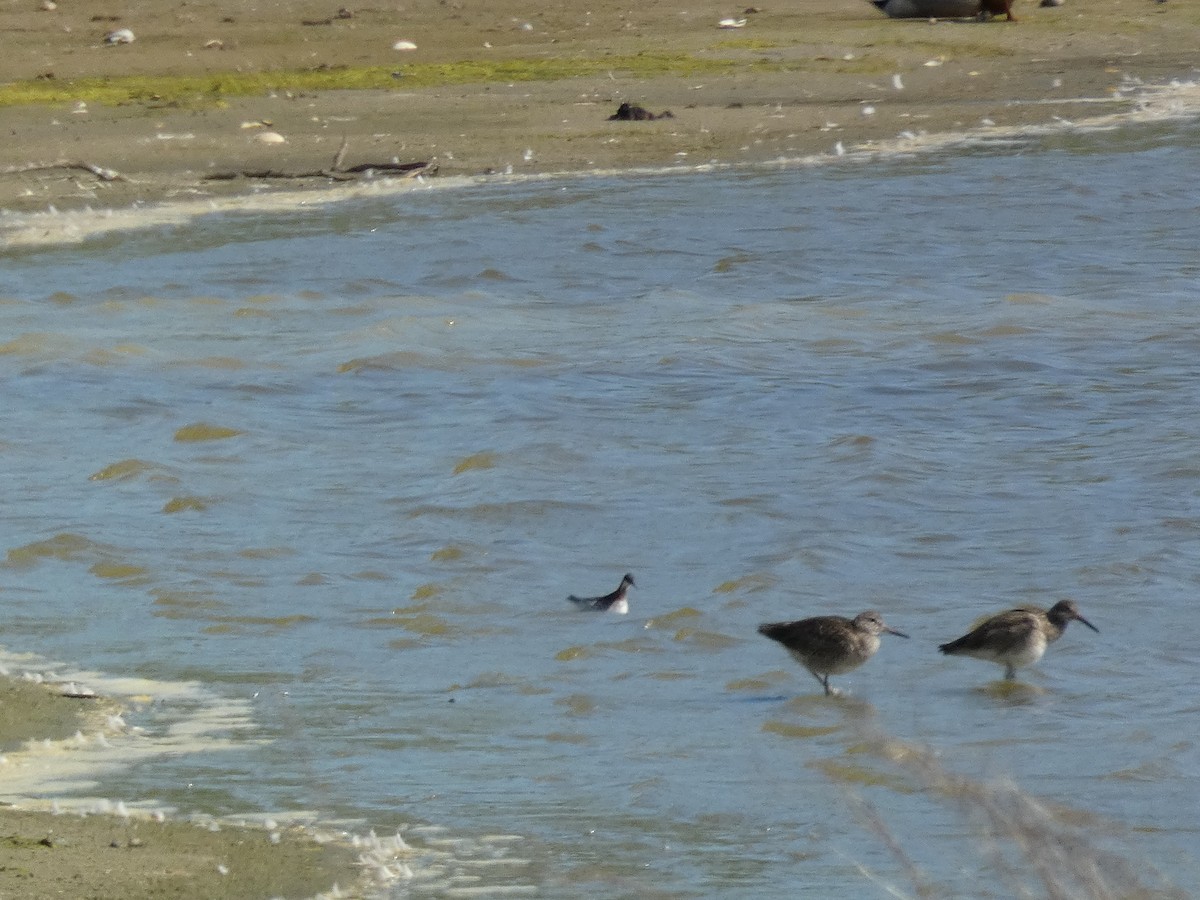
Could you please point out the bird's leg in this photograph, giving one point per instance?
(1008, 10)
(1010, 671)
(824, 681)
(829, 691)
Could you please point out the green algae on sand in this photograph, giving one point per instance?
(208, 90)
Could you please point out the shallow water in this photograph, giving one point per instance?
(933, 386)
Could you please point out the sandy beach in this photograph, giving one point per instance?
(489, 87)
(216, 89)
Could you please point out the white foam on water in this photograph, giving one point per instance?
(1177, 100)
(195, 721)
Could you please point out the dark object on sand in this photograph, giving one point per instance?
(995, 7)
(944, 9)
(627, 112)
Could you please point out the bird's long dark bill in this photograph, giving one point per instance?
(1088, 624)
(895, 632)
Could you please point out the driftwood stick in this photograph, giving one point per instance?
(276, 173)
(407, 170)
(341, 155)
(99, 171)
(412, 168)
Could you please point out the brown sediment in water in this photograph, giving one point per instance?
(135, 855)
(504, 86)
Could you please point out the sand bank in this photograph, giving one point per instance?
(57, 736)
(507, 87)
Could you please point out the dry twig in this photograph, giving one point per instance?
(336, 171)
(99, 171)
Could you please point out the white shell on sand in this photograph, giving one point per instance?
(120, 36)
(270, 137)
(404, 45)
(732, 23)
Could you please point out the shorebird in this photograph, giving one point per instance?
(830, 645)
(614, 602)
(1018, 637)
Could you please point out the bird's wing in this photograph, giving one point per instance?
(823, 634)
(999, 634)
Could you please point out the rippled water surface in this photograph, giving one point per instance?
(345, 465)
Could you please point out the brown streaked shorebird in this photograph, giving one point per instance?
(1018, 637)
(614, 602)
(830, 645)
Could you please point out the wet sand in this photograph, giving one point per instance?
(66, 855)
(798, 79)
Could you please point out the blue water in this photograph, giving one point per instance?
(936, 387)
